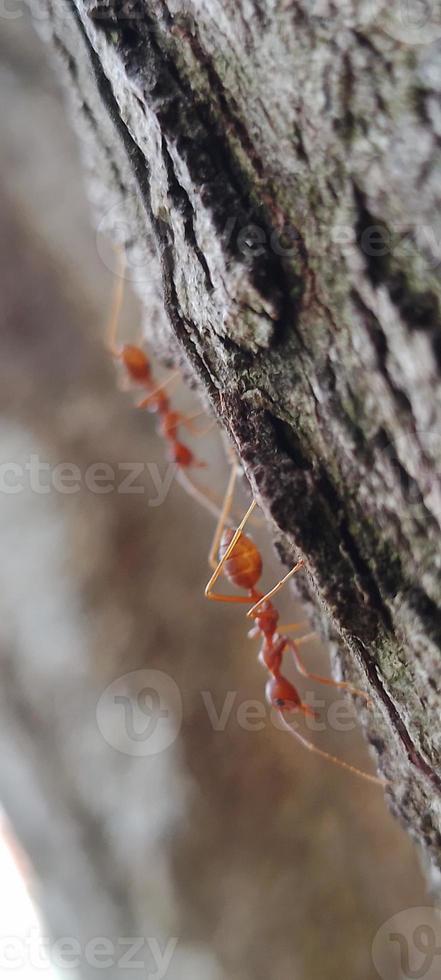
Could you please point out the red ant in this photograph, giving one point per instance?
(241, 561)
(238, 555)
(139, 370)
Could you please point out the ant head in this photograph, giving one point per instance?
(181, 454)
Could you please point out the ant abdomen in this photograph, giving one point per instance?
(244, 566)
(136, 364)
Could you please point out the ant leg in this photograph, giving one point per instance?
(226, 508)
(202, 495)
(331, 758)
(283, 629)
(187, 421)
(145, 402)
(252, 612)
(216, 597)
(194, 415)
(305, 638)
(287, 627)
(227, 504)
(317, 677)
(115, 310)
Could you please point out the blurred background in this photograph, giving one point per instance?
(209, 836)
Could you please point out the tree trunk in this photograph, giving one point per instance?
(271, 171)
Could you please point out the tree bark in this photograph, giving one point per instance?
(274, 165)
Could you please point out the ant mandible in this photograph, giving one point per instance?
(241, 561)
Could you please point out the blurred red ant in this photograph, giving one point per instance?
(239, 557)
(138, 370)
(241, 561)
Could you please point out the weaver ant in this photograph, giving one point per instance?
(240, 560)
(239, 557)
(138, 370)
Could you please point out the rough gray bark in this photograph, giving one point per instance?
(278, 164)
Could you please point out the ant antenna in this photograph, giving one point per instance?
(150, 398)
(301, 667)
(226, 508)
(117, 301)
(331, 758)
(202, 496)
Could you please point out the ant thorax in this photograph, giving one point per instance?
(267, 619)
(271, 653)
